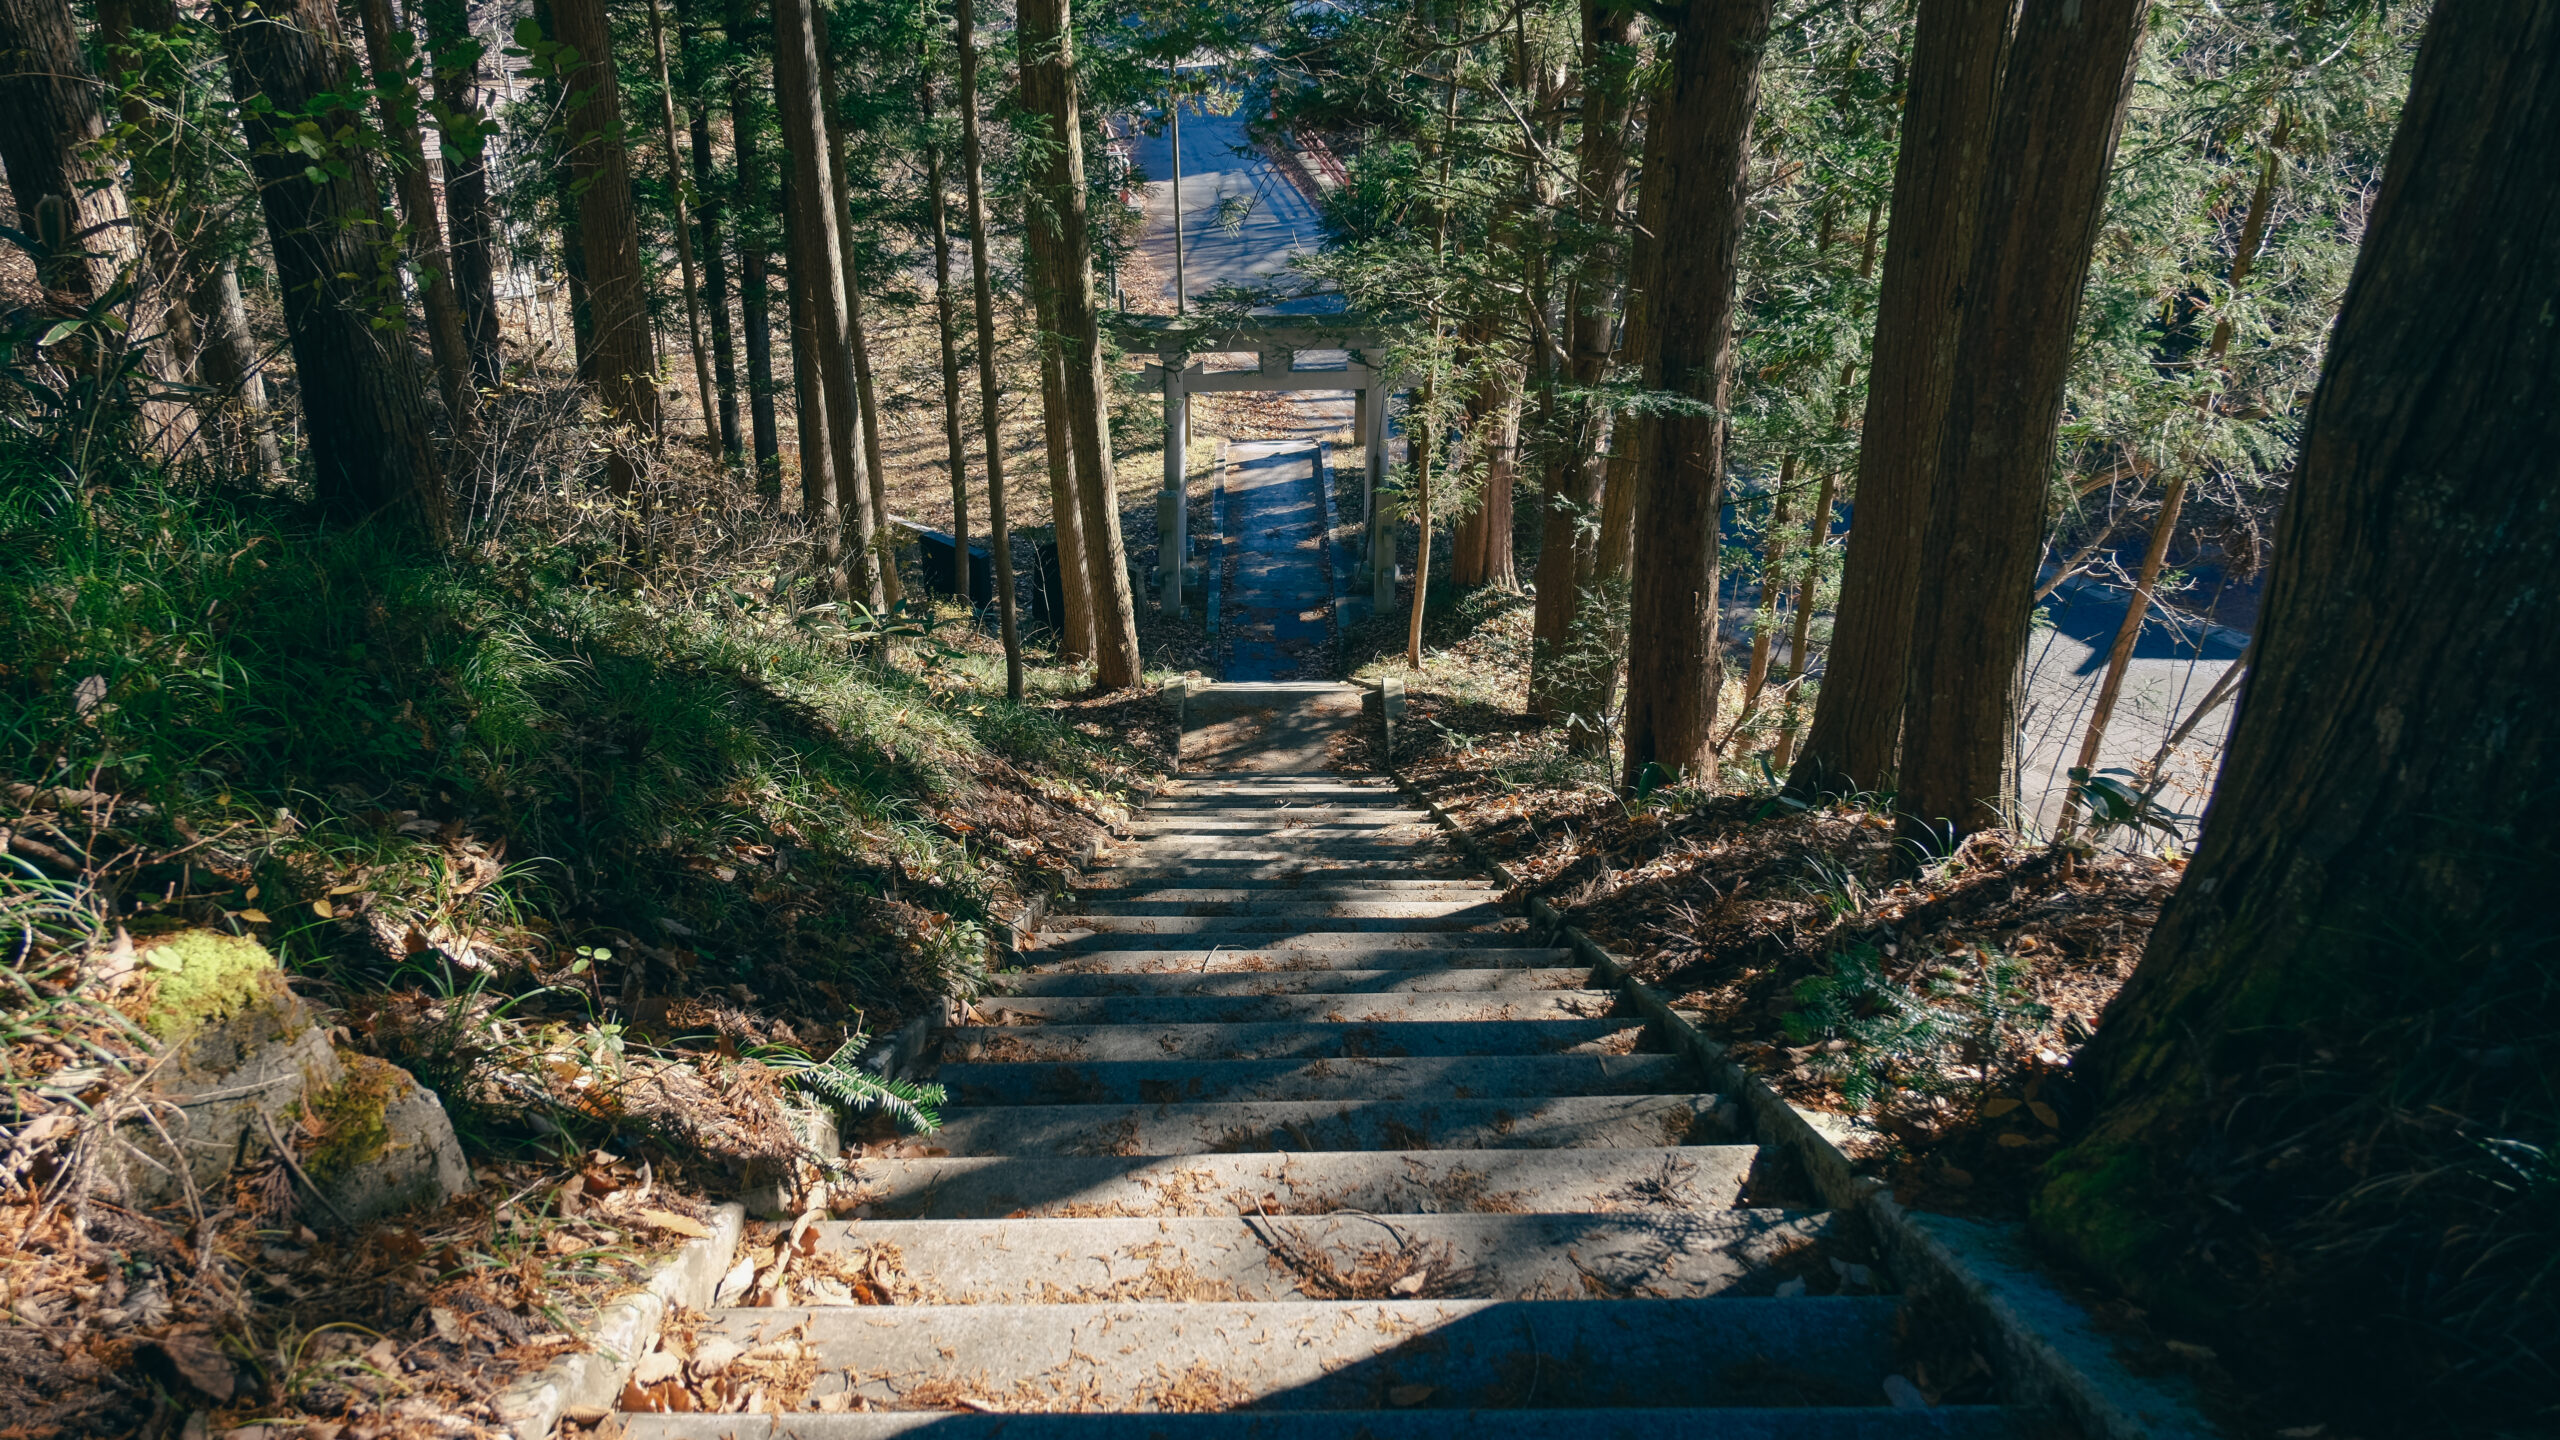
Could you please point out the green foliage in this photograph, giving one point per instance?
(1881, 1035)
(914, 1105)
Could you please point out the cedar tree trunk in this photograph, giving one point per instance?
(991, 414)
(2070, 72)
(1937, 189)
(623, 347)
(1705, 113)
(2332, 1062)
(363, 401)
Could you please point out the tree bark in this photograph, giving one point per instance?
(226, 364)
(690, 278)
(715, 285)
(2341, 1005)
(991, 415)
(470, 222)
(1938, 174)
(1629, 434)
(398, 98)
(2070, 73)
(817, 267)
(363, 406)
(946, 324)
(69, 204)
(1049, 83)
(820, 486)
(1564, 653)
(1673, 670)
(1800, 636)
(755, 299)
(873, 486)
(624, 347)
(1773, 586)
(1075, 644)
(1480, 546)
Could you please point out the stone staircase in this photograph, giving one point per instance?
(1298, 1132)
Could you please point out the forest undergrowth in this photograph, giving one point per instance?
(614, 829)
(1936, 1003)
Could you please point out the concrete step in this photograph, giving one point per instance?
(1258, 1039)
(1402, 892)
(1334, 1257)
(1363, 1078)
(1286, 844)
(1293, 982)
(1571, 1122)
(1145, 1015)
(1265, 960)
(1467, 909)
(1135, 869)
(1208, 819)
(1305, 1355)
(1953, 1422)
(1213, 833)
(1340, 942)
(1286, 920)
(1646, 1180)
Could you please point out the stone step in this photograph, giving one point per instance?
(1670, 1256)
(1401, 892)
(1292, 982)
(1364, 1078)
(1142, 1015)
(1643, 1179)
(1134, 869)
(1357, 1355)
(1952, 1422)
(1256, 819)
(1469, 909)
(1340, 942)
(1571, 1122)
(1267, 961)
(1285, 844)
(1250, 1033)
(1220, 834)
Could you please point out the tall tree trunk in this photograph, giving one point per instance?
(363, 405)
(991, 415)
(1049, 84)
(1800, 635)
(2164, 526)
(1673, 669)
(874, 482)
(755, 300)
(398, 97)
(226, 365)
(817, 268)
(1938, 176)
(624, 347)
(715, 285)
(946, 324)
(691, 278)
(69, 204)
(1480, 544)
(1075, 643)
(471, 226)
(1564, 658)
(2348, 996)
(177, 258)
(1629, 434)
(820, 486)
(1774, 544)
(2070, 72)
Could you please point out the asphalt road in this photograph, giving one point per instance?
(1241, 219)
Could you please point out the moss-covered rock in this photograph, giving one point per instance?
(194, 978)
(385, 1142)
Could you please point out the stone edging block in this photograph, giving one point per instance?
(625, 1329)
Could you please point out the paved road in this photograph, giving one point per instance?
(1275, 520)
(1241, 219)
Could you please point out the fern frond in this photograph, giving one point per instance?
(840, 1078)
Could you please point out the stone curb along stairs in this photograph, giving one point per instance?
(1299, 1132)
(2049, 1353)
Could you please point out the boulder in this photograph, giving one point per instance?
(242, 1058)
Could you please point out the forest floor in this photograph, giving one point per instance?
(606, 831)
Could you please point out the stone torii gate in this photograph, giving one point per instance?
(1278, 340)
